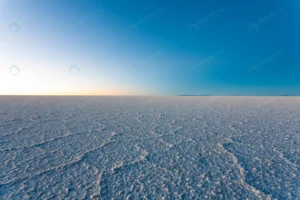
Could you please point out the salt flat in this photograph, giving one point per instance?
(150, 148)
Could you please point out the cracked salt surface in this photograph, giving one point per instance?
(149, 148)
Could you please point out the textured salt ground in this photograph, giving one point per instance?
(149, 148)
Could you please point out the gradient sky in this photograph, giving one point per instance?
(158, 47)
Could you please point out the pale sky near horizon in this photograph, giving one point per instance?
(112, 47)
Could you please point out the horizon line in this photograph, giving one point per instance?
(59, 95)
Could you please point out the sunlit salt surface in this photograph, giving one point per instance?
(149, 148)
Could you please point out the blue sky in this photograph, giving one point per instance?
(161, 47)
